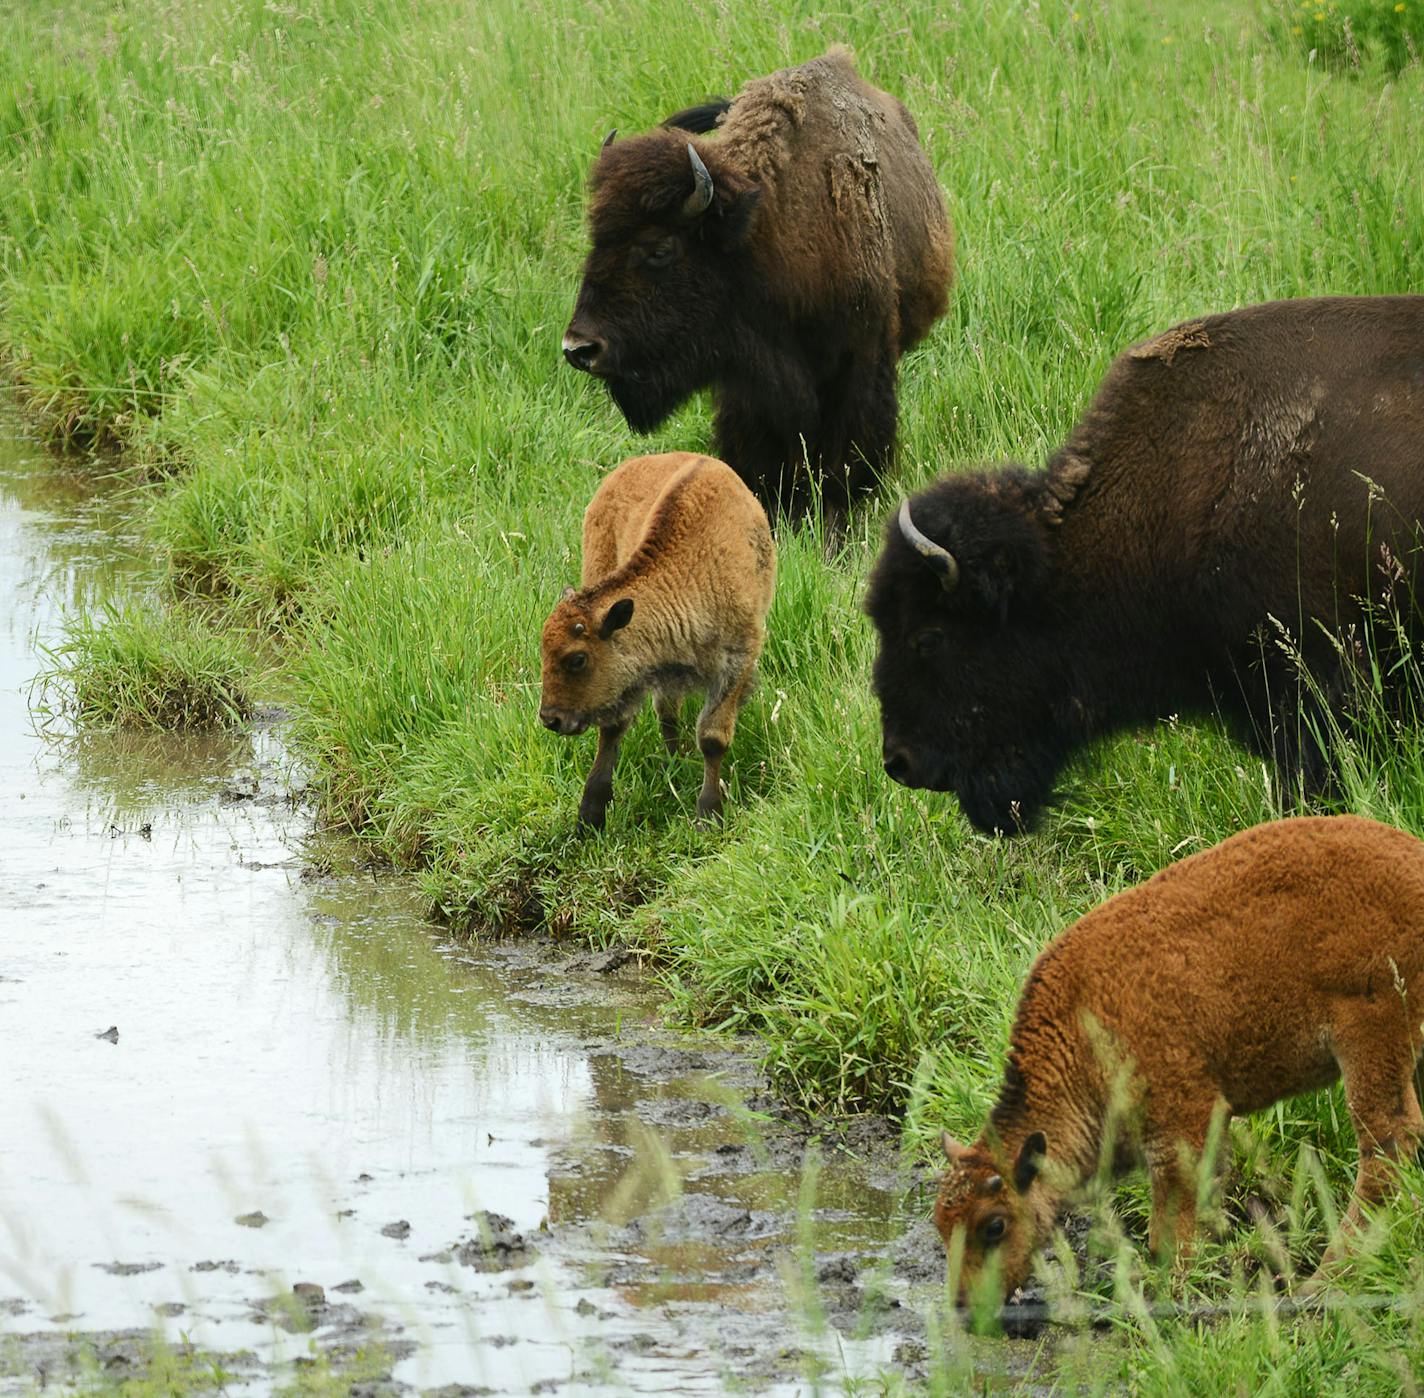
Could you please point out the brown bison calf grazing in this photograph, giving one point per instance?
(678, 573)
(1285, 957)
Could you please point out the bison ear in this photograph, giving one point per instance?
(951, 1148)
(732, 216)
(1003, 573)
(568, 592)
(617, 617)
(1030, 1160)
(995, 581)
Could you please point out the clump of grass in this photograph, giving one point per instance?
(136, 665)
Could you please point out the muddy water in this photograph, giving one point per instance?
(224, 1075)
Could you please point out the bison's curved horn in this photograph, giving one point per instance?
(940, 559)
(697, 202)
(608, 139)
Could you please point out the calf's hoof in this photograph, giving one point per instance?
(709, 814)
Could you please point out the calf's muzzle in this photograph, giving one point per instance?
(565, 725)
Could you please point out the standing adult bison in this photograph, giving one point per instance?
(1237, 481)
(787, 260)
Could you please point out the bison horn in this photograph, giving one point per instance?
(940, 559)
(697, 202)
(608, 139)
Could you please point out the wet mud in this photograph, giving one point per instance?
(260, 1115)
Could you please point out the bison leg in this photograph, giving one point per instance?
(856, 443)
(1175, 1160)
(598, 789)
(715, 726)
(667, 704)
(1292, 716)
(768, 421)
(771, 461)
(1378, 1066)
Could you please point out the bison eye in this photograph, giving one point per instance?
(993, 1229)
(575, 662)
(660, 254)
(926, 642)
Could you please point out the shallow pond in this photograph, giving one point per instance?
(226, 1074)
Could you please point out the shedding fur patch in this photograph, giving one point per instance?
(1166, 346)
(1066, 474)
(957, 1184)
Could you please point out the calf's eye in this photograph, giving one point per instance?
(993, 1230)
(575, 662)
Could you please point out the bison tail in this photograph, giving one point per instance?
(699, 120)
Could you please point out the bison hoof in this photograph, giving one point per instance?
(592, 816)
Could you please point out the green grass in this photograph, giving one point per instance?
(310, 263)
(134, 665)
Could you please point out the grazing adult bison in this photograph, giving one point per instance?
(1235, 488)
(787, 260)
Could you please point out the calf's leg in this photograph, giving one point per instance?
(715, 726)
(1175, 1148)
(598, 789)
(667, 704)
(1377, 1058)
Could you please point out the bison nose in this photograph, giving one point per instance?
(551, 720)
(897, 765)
(583, 353)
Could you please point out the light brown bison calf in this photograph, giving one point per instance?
(1280, 960)
(678, 573)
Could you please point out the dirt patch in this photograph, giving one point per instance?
(128, 1269)
(495, 1246)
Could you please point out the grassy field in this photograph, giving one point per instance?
(309, 264)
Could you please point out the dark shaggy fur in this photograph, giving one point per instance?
(1236, 485)
(824, 254)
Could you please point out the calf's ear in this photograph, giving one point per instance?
(617, 617)
(1030, 1161)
